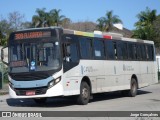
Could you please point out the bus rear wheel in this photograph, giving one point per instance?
(84, 96)
(40, 100)
(134, 87)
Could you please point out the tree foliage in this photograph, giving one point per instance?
(106, 23)
(57, 18)
(15, 21)
(144, 26)
(47, 19)
(5, 30)
(147, 26)
(156, 28)
(41, 19)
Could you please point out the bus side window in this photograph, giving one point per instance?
(85, 48)
(125, 51)
(120, 49)
(139, 55)
(70, 53)
(143, 51)
(115, 50)
(147, 52)
(66, 52)
(130, 51)
(135, 51)
(74, 53)
(98, 49)
(150, 52)
(109, 49)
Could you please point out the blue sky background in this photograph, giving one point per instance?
(81, 10)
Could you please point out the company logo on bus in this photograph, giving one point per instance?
(31, 35)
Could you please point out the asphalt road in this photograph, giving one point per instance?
(148, 99)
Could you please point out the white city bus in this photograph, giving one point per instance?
(48, 62)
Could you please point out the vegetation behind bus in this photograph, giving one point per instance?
(147, 26)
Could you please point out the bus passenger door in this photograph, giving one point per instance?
(70, 67)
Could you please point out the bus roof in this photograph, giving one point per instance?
(107, 35)
(98, 34)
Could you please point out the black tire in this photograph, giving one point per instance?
(40, 100)
(85, 92)
(133, 88)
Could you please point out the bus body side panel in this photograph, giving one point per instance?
(71, 81)
(131, 68)
(145, 73)
(115, 76)
(106, 76)
(154, 73)
(93, 69)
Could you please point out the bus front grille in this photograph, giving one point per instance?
(29, 77)
(23, 92)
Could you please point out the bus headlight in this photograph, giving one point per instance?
(54, 82)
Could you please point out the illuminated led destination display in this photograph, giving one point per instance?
(31, 35)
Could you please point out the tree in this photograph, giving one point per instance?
(57, 18)
(14, 22)
(15, 19)
(5, 30)
(47, 19)
(41, 19)
(101, 24)
(66, 22)
(156, 28)
(106, 23)
(146, 18)
(26, 25)
(144, 26)
(2, 42)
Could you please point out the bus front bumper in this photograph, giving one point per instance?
(56, 90)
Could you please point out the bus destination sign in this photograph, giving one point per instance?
(31, 35)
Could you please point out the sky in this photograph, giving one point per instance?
(82, 10)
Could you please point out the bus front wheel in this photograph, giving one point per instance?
(84, 96)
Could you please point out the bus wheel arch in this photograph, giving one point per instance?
(85, 91)
(87, 80)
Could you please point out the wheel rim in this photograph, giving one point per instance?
(85, 93)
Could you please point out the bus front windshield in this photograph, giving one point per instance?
(28, 57)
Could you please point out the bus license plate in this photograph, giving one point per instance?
(30, 93)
